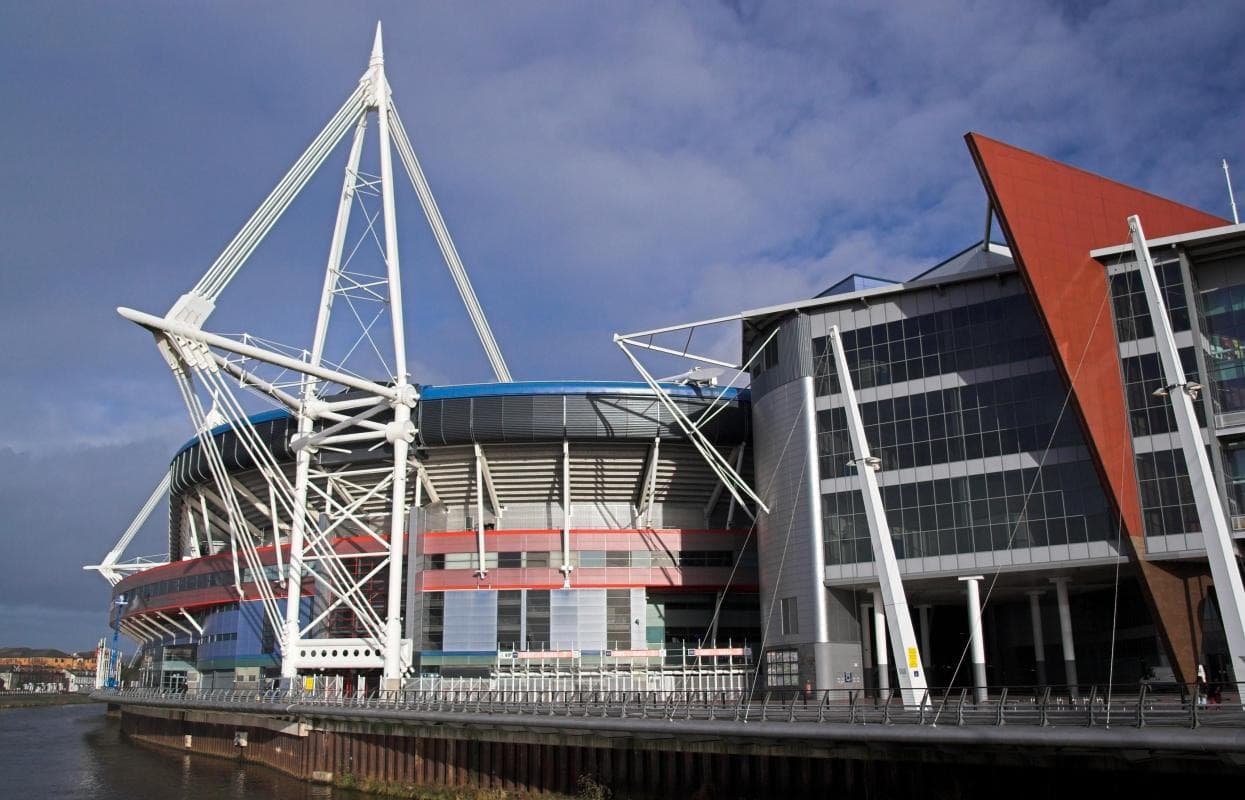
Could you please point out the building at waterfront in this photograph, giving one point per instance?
(678, 533)
(606, 544)
(1014, 398)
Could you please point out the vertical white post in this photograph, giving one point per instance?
(975, 638)
(866, 637)
(908, 664)
(1039, 646)
(1065, 630)
(306, 412)
(566, 515)
(1220, 551)
(879, 644)
(481, 567)
(401, 431)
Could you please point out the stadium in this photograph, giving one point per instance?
(1033, 447)
(561, 525)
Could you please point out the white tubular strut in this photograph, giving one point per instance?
(716, 461)
(209, 368)
(402, 432)
(105, 567)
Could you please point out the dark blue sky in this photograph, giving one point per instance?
(602, 167)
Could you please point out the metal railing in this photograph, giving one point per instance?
(1169, 706)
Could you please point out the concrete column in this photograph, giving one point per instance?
(926, 657)
(866, 643)
(880, 648)
(1039, 648)
(975, 638)
(1065, 629)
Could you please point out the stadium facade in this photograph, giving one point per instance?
(513, 472)
(639, 534)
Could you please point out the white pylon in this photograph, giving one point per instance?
(202, 361)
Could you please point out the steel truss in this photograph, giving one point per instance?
(337, 410)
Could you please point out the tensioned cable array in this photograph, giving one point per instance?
(1021, 516)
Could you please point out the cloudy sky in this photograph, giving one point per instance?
(602, 167)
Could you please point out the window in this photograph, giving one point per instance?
(509, 560)
(618, 618)
(434, 620)
(617, 558)
(537, 619)
(790, 616)
(591, 558)
(509, 619)
(782, 667)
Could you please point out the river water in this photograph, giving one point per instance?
(76, 752)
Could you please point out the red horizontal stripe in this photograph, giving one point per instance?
(749, 588)
(577, 531)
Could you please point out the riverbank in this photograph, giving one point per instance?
(38, 700)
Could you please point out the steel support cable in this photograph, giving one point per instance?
(219, 473)
(1119, 532)
(724, 471)
(239, 535)
(270, 210)
(240, 422)
(1037, 475)
(259, 452)
(139, 520)
(711, 412)
(1115, 599)
(706, 450)
(267, 216)
(782, 561)
(448, 251)
(751, 528)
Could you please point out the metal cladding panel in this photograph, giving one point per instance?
(563, 618)
(428, 421)
(577, 619)
(791, 490)
(518, 420)
(1053, 215)
(471, 620)
(457, 427)
(795, 356)
(591, 628)
(639, 611)
(587, 420)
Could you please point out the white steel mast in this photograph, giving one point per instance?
(1216, 534)
(320, 503)
(908, 664)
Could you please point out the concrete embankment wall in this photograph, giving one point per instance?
(401, 756)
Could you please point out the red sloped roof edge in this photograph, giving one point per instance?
(1053, 215)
